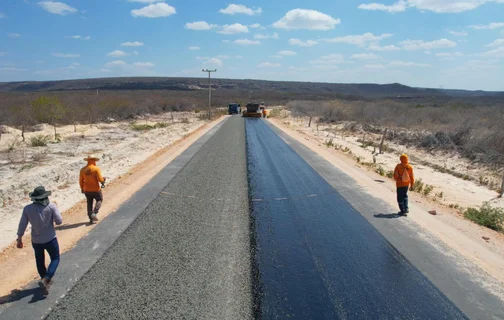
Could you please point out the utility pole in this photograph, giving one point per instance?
(209, 90)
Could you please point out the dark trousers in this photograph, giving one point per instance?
(52, 247)
(90, 196)
(402, 198)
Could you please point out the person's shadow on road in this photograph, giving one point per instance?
(17, 295)
(72, 226)
(387, 216)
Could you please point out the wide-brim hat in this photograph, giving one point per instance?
(39, 193)
(91, 157)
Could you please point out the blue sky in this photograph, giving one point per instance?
(428, 43)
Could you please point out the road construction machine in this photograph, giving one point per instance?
(252, 110)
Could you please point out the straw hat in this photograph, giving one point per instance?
(91, 157)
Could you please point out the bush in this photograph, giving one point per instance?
(39, 141)
(418, 186)
(329, 143)
(185, 120)
(380, 171)
(390, 174)
(486, 216)
(144, 127)
(427, 190)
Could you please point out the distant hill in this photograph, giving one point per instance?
(364, 90)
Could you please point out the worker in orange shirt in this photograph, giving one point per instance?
(90, 180)
(405, 179)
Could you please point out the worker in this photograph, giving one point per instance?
(90, 180)
(42, 215)
(405, 179)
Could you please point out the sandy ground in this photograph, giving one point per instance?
(131, 160)
(448, 225)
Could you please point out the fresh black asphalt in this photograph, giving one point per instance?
(317, 258)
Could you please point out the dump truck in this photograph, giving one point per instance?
(234, 108)
(252, 110)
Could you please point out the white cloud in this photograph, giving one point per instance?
(214, 62)
(413, 45)
(10, 69)
(297, 42)
(117, 54)
(199, 25)
(448, 55)
(437, 6)
(329, 60)
(13, 35)
(146, 1)
(374, 66)
(233, 9)
(247, 42)
(495, 53)
(374, 47)
(79, 37)
(266, 36)
(365, 56)
(57, 7)
(66, 55)
(298, 19)
(287, 53)
(104, 70)
(359, 40)
(490, 26)
(194, 48)
(399, 6)
(255, 26)
(202, 58)
(132, 44)
(158, 10)
(144, 64)
(233, 29)
(116, 63)
(276, 56)
(269, 65)
(496, 43)
(399, 63)
(3, 15)
(458, 33)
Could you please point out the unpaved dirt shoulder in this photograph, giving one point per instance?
(461, 235)
(75, 219)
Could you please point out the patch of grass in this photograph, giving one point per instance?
(185, 120)
(329, 143)
(418, 186)
(390, 174)
(26, 167)
(440, 195)
(145, 127)
(427, 190)
(381, 171)
(39, 141)
(486, 216)
(454, 206)
(358, 159)
(40, 156)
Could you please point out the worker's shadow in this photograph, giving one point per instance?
(387, 216)
(17, 295)
(72, 226)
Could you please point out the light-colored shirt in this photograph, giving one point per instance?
(42, 219)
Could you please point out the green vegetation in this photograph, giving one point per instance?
(329, 143)
(144, 127)
(418, 186)
(380, 171)
(486, 216)
(39, 140)
(390, 174)
(427, 190)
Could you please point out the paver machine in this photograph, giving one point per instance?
(252, 110)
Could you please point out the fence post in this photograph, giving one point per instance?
(382, 140)
(502, 188)
(309, 123)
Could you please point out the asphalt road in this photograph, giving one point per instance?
(187, 255)
(240, 226)
(316, 257)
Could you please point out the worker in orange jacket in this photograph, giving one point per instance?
(405, 179)
(90, 180)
